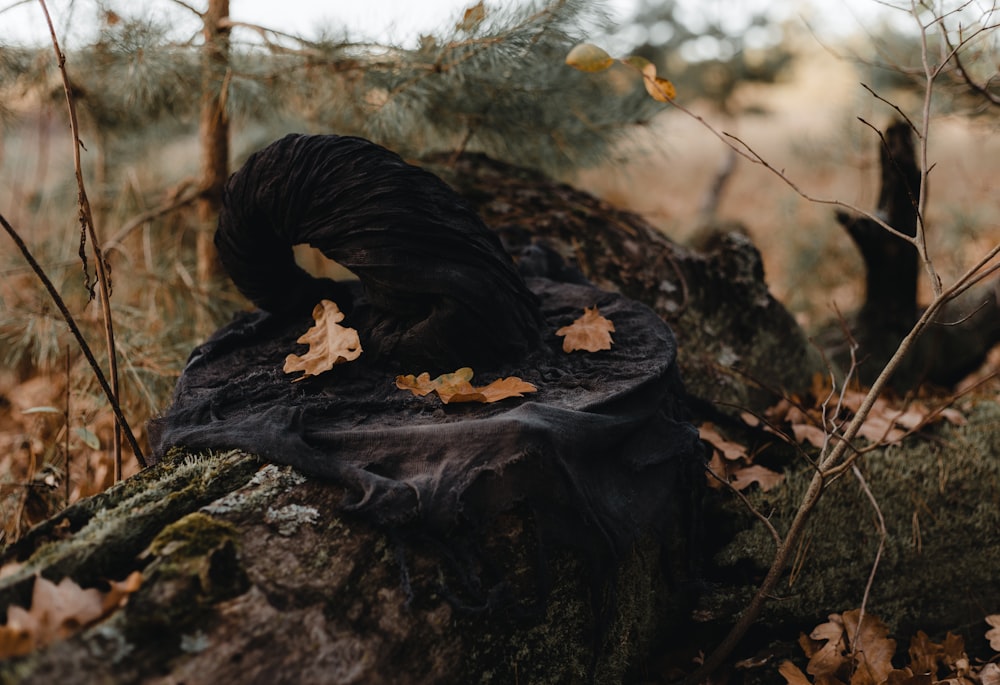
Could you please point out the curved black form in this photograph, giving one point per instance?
(439, 288)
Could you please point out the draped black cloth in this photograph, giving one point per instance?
(601, 453)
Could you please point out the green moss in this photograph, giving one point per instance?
(195, 564)
(939, 497)
(194, 536)
(120, 523)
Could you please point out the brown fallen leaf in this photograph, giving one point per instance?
(729, 449)
(732, 463)
(885, 424)
(755, 473)
(457, 387)
(990, 675)
(993, 634)
(591, 332)
(792, 674)
(59, 610)
(828, 658)
(872, 647)
(329, 343)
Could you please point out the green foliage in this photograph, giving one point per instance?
(497, 85)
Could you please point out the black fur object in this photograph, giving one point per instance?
(431, 270)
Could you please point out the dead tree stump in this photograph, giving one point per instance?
(965, 330)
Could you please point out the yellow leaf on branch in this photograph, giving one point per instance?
(590, 332)
(660, 89)
(589, 57)
(457, 387)
(329, 343)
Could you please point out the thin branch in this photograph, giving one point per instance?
(198, 13)
(921, 237)
(913, 127)
(87, 223)
(81, 341)
(882, 535)
(749, 505)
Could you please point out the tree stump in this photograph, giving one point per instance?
(541, 538)
(965, 330)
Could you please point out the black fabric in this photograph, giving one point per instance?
(601, 452)
(431, 268)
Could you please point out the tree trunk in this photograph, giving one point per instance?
(966, 328)
(213, 135)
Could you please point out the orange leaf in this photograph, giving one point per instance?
(500, 389)
(329, 343)
(590, 332)
(457, 387)
(660, 89)
(472, 17)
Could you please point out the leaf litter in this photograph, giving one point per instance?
(851, 650)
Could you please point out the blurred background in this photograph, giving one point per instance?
(166, 89)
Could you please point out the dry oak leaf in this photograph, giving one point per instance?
(828, 659)
(761, 475)
(993, 634)
(729, 449)
(59, 610)
(792, 674)
(457, 387)
(590, 332)
(872, 646)
(329, 343)
(990, 675)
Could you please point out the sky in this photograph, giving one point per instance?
(403, 21)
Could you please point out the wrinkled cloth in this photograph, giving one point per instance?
(602, 453)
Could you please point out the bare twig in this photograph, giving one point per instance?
(900, 112)
(87, 224)
(882, 535)
(749, 505)
(67, 419)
